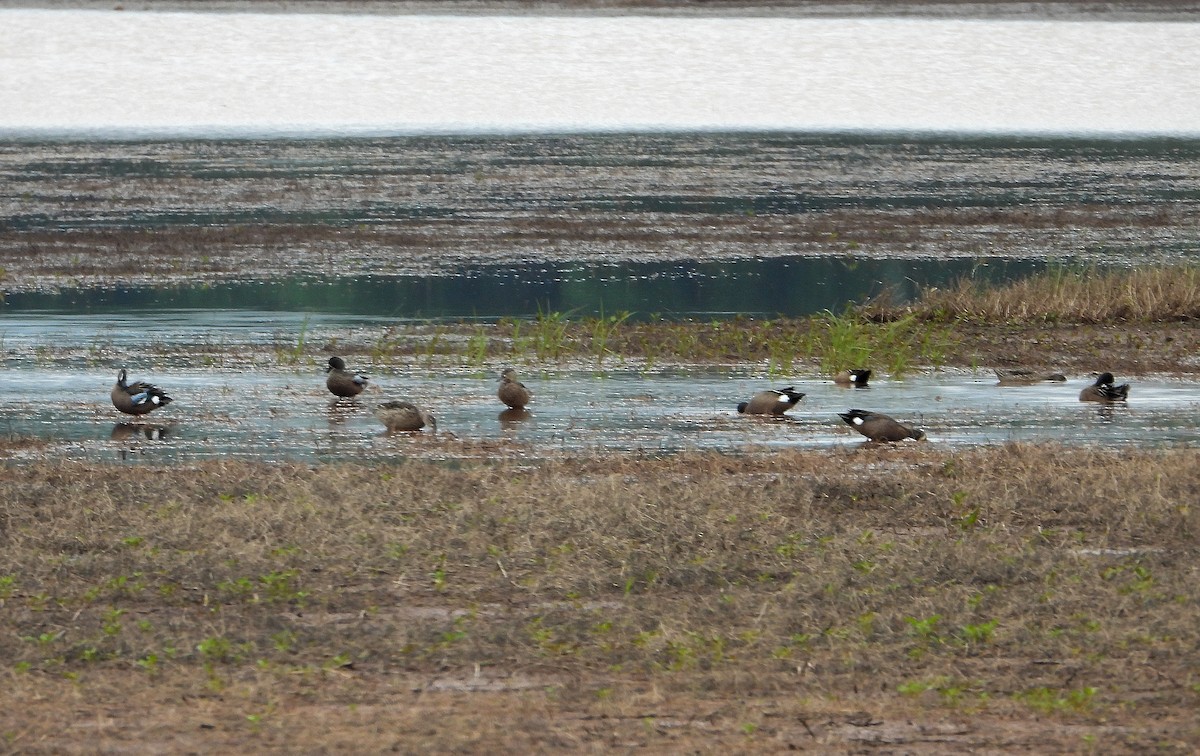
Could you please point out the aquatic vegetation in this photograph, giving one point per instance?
(386, 343)
(477, 347)
(842, 342)
(290, 352)
(548, 332)
(602, 329)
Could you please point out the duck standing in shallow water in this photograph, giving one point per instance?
(771, 402)
(512, 392)
(400, 416)
(137, 398)
(1103, 390)
(341, 382)
(878, 427)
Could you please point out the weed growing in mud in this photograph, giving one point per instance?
(847, 341)
(835, 342)
(602, 330)
(291, 353)
(477, 348)
(548, 333)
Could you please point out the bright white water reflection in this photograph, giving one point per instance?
(92, 72)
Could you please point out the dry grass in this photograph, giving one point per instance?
(1137, 295)
(1020, 596)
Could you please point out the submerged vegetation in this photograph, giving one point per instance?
(233, 603)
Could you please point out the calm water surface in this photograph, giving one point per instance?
(791, 286)
(71, 72)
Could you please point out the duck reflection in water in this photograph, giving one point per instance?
(513, 417)
(139, 431)
(341, 409)
(1106, 412)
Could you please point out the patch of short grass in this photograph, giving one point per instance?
(846, 572)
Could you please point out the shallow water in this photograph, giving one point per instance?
(273, 415)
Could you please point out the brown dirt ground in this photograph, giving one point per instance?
(1084, 557)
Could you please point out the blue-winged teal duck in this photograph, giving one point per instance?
(1103, 390)
(855, 378)
(404, 416)
(771, 402)
(1026, 377)
(137, 398)
(512, 392)
(342, 382)
(879, 427)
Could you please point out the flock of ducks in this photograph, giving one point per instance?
(141, 398)
(881, 428)
(396, 415)
(876, 426)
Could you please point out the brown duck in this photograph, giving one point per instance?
(856, 378)
(341, 382)
(137, 398)
(1026, 377)
(879, 427)
(400, 416)
(771, 402)
(512, 392)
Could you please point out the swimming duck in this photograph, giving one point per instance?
(1103, 390)
(856, 378)
(404, 416)
(879, 427)
(137, 398)
(341, 382)
(512, 392)
(1025, 376)
(771, 402)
